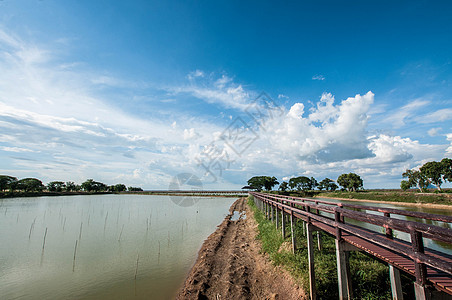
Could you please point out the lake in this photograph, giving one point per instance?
(125, 246)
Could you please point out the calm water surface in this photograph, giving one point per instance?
(112, 233)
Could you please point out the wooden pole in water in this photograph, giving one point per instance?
(75, 252)
(80, 234)
(44, 242)
(136, 270)
(119, 239)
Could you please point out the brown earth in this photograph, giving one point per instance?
(230, 265)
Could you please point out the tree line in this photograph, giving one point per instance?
(348, 182)
(12, 184)
(432, 172)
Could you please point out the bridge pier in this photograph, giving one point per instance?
(292, 231)
(312, 289)
(344, 278)
(283, 223)
(396, 285)
(319, 241)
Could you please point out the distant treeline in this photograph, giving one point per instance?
(349, 182)
(431, 173)
(10, 184)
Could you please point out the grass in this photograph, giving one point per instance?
(394, 196)
(370, 278)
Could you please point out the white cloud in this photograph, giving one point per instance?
(190, 134)
(318, 77)
(434, 131)
(222, 91)
(327, 133)
(399, 117)
(436, 116)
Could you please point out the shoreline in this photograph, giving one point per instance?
(414, 204)
(230, 264)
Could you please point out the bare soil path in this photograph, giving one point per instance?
(230, 265)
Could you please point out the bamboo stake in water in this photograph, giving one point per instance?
(80, 235)
(136, 270)
(105, 224)
(31, 228)
(75, 252)
(64, 223)
(121, 233)
(44, 242)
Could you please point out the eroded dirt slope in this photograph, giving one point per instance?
(229, 265)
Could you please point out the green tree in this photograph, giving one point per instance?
(302, 183)
(350, 181)
(327, 184)
(259, 182)
(447, 169)
(415, 179)
(283, 186)
(405, 185)
(71, 186)
(270, 182)
(7, 182)
(56, 186)
(433, 171)
(30, 185)
(93, 186)
(117, 188)
(134, 189)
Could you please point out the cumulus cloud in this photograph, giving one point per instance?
(327, 133)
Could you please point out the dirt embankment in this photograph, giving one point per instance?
(230, 265)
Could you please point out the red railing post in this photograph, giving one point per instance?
(417, 245)
(387, 229)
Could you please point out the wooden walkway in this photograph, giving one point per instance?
(429, 267)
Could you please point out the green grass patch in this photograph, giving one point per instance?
(370, 278)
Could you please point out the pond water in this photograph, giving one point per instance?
(125, 246)
(443, 247)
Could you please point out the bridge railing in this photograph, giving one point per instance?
(336, 215)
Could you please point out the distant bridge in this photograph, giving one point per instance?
(430, 268)
(195, 193)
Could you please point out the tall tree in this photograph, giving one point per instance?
(433, 171)
(56, 186)
(7, 182)
(350, 181)
(259, 182)
(415, 179)
(447, 169)
(30, 185)
(283, 186)
(327, 184)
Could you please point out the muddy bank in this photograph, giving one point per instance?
(230, 265)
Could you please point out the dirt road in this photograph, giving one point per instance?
(230, 266)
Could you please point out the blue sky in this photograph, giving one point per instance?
(140, 91)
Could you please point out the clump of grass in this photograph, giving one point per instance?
(370, 278)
